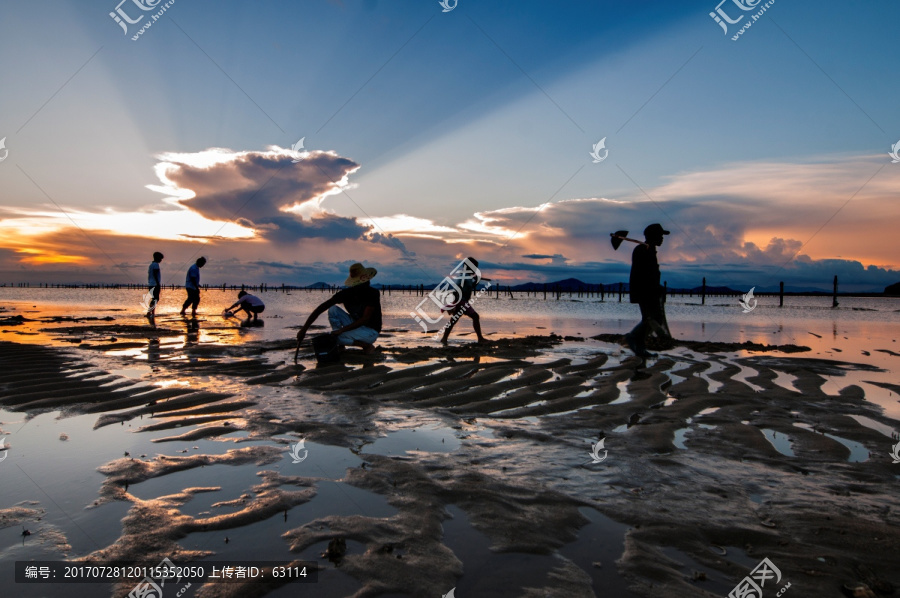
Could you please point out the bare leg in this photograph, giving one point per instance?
(476, 324)
(450, 325)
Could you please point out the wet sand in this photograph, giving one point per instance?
(470, 466)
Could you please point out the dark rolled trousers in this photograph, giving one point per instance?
(193, 299)
(252, 309)
(651, 310)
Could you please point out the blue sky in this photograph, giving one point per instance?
(457, 123)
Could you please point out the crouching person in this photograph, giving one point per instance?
(360, 324)
(250, 304)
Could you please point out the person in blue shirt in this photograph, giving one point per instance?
(192, 286)
(154, 281)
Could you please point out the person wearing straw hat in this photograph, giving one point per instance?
(360, 324)
(646, 291)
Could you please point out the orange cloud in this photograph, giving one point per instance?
(37, 257)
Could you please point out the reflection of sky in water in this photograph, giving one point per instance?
(428, 439)
(877, 426)
(858, 453)
(66, 471)
(780, 441)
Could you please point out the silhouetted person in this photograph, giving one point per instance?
(154, 281)
(360, 325)
(464, 305)
(192, 286)
(251, 304)
(646, 291)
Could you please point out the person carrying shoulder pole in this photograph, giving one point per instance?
(646, 291)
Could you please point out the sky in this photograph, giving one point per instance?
(286, 140)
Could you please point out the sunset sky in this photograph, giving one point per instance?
(430, 136)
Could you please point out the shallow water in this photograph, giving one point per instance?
(62, 474)
(858, 453)
(779, 441)
(430, 439)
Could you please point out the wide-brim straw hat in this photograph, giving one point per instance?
(359, 274)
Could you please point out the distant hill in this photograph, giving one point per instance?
(574, 284)
(710, 290)
(893, 290)
(569, 284)
(318, 285)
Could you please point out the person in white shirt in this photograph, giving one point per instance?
(154, 281)
(251, 304)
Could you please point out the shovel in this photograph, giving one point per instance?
(617, 237)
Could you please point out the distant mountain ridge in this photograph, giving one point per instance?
(575, 285)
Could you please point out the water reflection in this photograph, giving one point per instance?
(153, 352)
(192, 335)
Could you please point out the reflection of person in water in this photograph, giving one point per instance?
(250, 304)
(192, 332)
(153, 350)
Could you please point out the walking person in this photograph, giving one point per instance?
(154, 281)
(250, 304)
(464, 305)
(646, 291)
(360, 325)
(192, 286)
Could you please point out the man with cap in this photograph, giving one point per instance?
(361, 323)
(646, 291)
